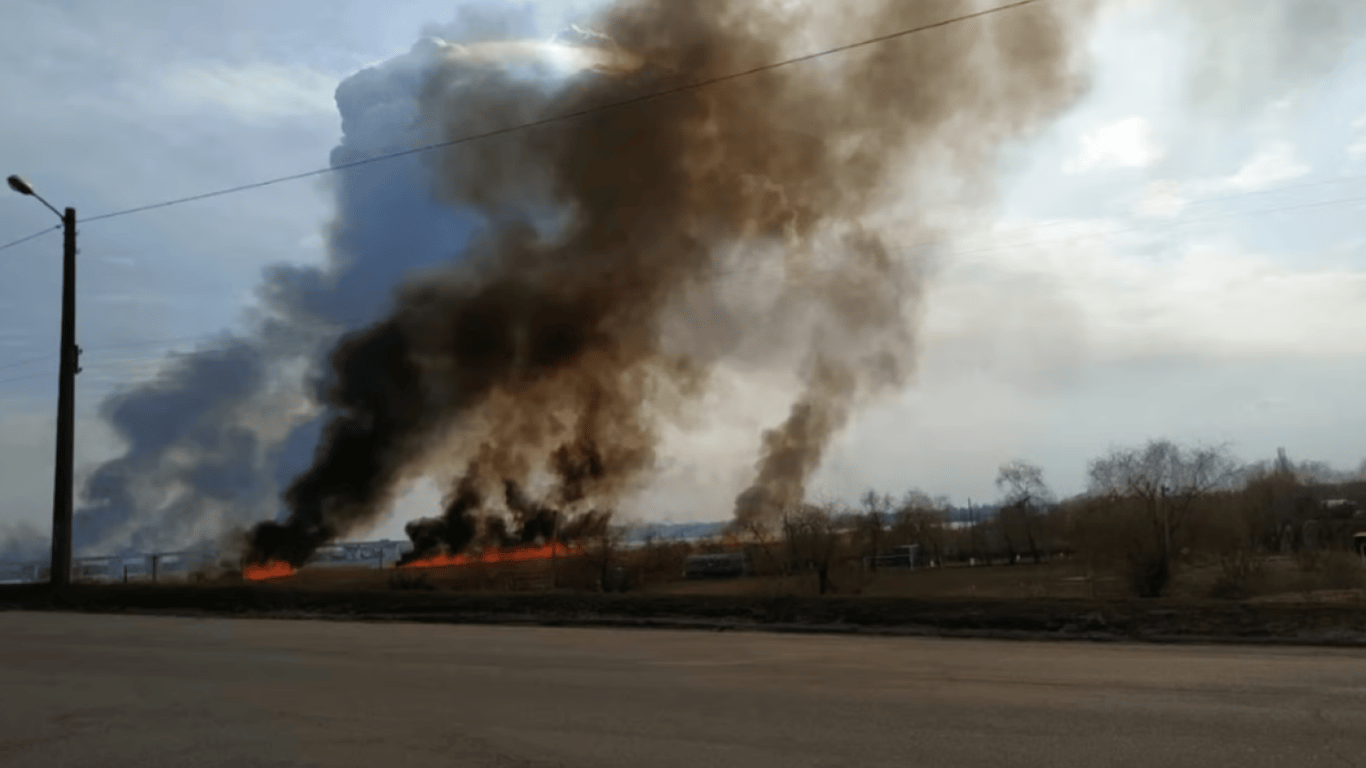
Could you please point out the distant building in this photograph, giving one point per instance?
(379, 554)
(21, 573)
(178, 566)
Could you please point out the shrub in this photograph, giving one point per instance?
(1149, 573)
(1242, 574)
(1342, 571)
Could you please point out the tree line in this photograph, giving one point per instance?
(1147, 511)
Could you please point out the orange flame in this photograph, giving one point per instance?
(491, 555)
(275, 569)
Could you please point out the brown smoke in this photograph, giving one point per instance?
(552, 350)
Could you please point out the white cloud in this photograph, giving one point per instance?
(1160, 200)
(255, 92)
(1126, 143)
(1357, 149)
(566, 58)
(1273, 164)
(1210, 301)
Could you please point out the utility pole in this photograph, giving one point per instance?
(66, 411)
(60, 572)
(1166, 521)
(972, 534)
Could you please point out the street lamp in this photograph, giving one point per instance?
(60, 572)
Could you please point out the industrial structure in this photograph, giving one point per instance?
(173, 566)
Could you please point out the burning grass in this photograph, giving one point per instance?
(495, 555)
(267, 571)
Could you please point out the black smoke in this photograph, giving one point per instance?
(552, 352)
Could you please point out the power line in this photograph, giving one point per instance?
(18, 363)
(1273, 190)
(30, 237)
(756, 266)
(99, 364)
(637, 100)
(144, 343)
(544, 121)
(151, 342)
(576, 114)
(22, 378)
(107, 347)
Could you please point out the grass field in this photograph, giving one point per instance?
(1290, 603)
(1283, 580)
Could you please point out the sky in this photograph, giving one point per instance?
(1181, 254)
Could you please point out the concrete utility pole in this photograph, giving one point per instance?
(60, 572)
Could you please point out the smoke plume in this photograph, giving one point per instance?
(213, 440)
(519, 316)
(546, 358)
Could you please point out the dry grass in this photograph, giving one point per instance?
(1280, 580)
(1014, 582)
(1193, 581)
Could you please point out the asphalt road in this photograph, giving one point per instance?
(89, 690)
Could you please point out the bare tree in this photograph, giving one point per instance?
(975, 535)
(1026, 495)
(1269, 493)
(758, 536)
(1087, 534)
(1021, 480)
(812, 541)
(920, 520)
(601, 540)
(877, 510)
(1159, 482)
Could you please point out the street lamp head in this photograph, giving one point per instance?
(18, 184)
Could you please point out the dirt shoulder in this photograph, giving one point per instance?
(1150, 621)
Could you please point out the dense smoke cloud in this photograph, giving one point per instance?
(213, 440)
(547, 358)
(565, 291)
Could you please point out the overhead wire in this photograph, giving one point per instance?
(28, 361)
(23, 378)
(564, 116)
(755, 267)
(567, 116)
(103, 347)
(21, 240)
(642, 98)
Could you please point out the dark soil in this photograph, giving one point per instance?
(1135, 620)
